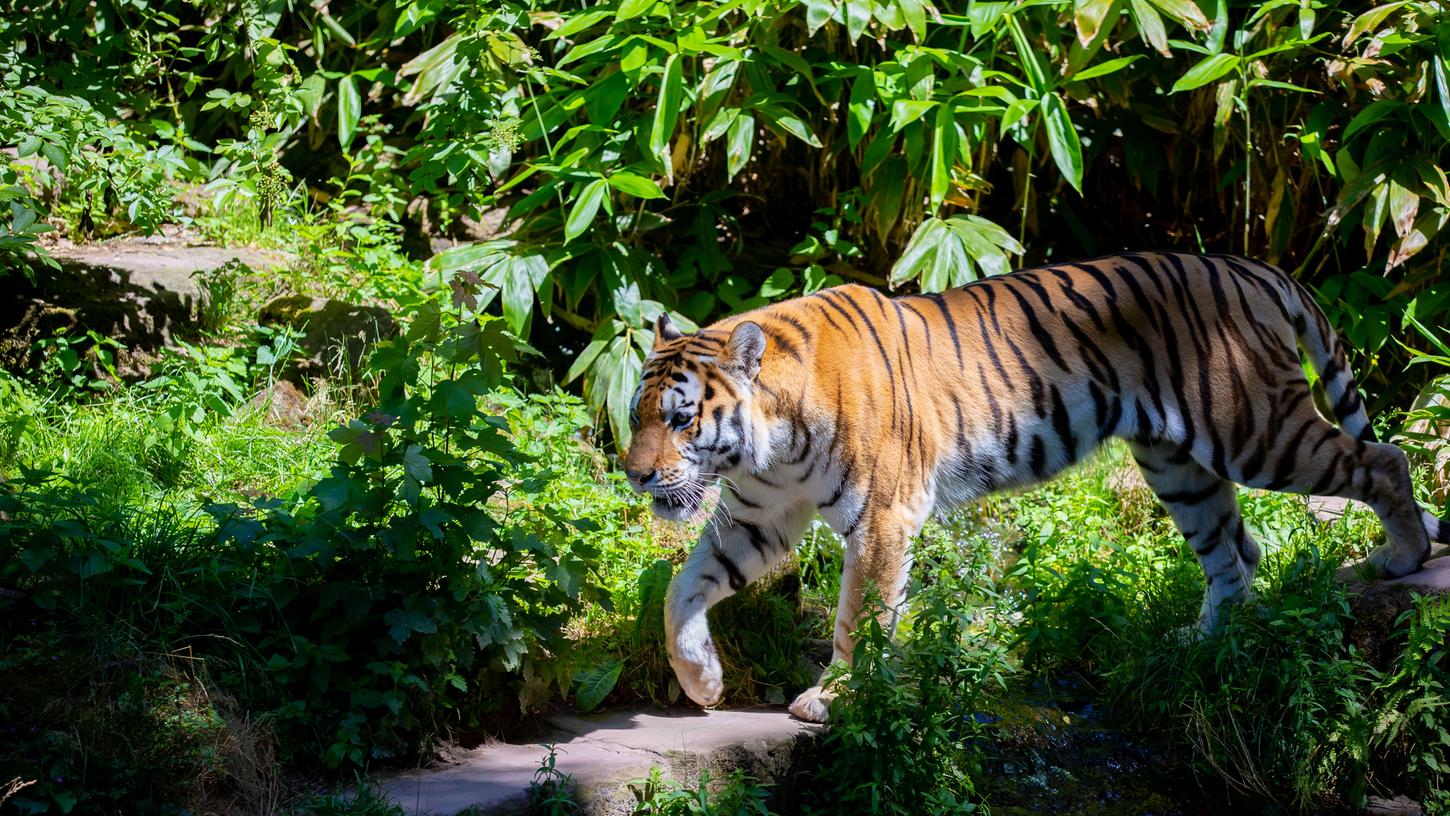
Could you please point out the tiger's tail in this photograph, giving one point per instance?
(1326, 354)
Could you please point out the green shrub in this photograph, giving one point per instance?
(904, 728)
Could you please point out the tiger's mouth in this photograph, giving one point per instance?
(679, 504)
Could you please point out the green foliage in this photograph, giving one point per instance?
(551, 790)
(736, 795)
(904, 730)
(1410, 702)
(637, 153)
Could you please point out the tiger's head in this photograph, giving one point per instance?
(693, 415)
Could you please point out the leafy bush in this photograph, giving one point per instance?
(417, 590)
(904, 730)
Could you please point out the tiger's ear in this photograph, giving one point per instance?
(744, 350)
(665, 330)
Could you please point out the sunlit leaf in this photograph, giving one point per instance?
(1210, 69)
(1063, 140)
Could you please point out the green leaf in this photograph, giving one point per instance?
(1150, 26)
(629, 9)
(1373, 112)
(349, 110)
(635, 185)
(1282, 86)
(1210, 69)
(943, 155)
(1368, 21)
(862, 107)
(581, 215)
(1105, 68)
(667, 111)
(739, 142)
(818, 13)
(1088, 16)
(858, 16)
(1185, 12)
(790, 123)
(1028, 55)
(416, 464)
(1062, 139)
(595, 684)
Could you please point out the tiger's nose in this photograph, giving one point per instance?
(641, 477)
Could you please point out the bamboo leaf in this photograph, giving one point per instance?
(581, 215)
(1150, 26)
(635, 185)
(1105, 68)
(739, 142)
(630, 9)
(1185, 12)
(1210, 69)
(1369, 21)
(1088, 16)
(349, 110)
(667, 111)
(1062, 139)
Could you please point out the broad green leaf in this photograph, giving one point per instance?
(1088, 16)
(739, 142)
(581, 215)
(862, 107)
(336, 28)
(1403, 205)
(719, 124)
(602, 337)
(1368, 21)
(1210, 69)
(667, 110)
(818, 13)
(1375, 211)
(1150, 26)
(906, 111)
(1440, 115)
(349, 110)
(858, 16)
(579, 22)
(625, 362)
(416, 464)
(524, 278)
(629, 9)
(1062, 139)
(1419, 237)
(635, 185)
(595, 684)
(1105, 68)
(943, 155)
(1185, 12)
(1373, 112)
(788, 122)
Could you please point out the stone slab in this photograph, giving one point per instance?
(161, 262)
(686, 731)
(496, 778)
(602, 753)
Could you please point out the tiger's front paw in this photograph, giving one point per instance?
(813, 705)
(702, 682)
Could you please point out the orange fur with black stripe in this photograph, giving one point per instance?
(875, 412)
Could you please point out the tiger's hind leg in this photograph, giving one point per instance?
(1323, 460)
(1205, 509)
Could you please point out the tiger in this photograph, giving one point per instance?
(875, 412)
